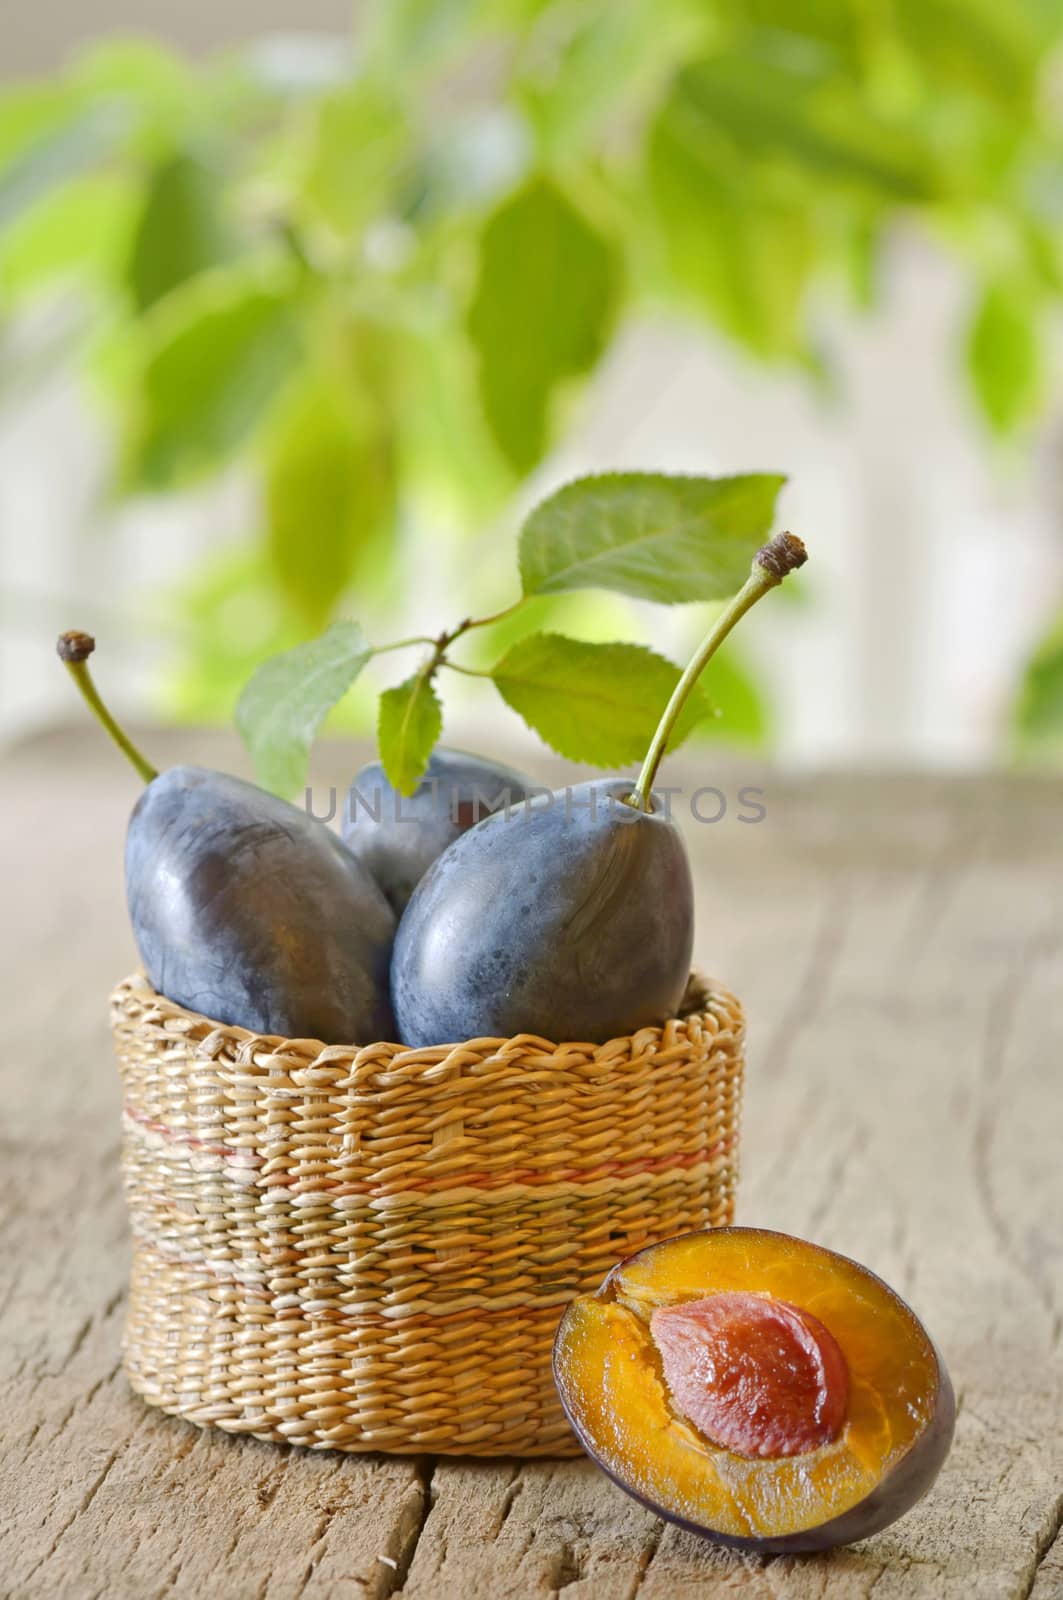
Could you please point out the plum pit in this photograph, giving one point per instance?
(758, 1376)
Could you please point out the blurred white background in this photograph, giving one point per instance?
(937, 561)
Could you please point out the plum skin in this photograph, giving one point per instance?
(246, 909)
(573, 920)
(906, 1482)
(399, 851)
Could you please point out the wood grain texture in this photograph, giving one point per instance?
(898, 943)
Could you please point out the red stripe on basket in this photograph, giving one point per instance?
(528, 1177)
(163, 1129)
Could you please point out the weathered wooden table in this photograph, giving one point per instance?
(899, 945)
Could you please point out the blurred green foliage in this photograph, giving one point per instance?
(375, 271)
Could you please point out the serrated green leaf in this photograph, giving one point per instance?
(330, 485)
(220, 350)
(408, 727)
(1003, 356)
(598, 703)
(541, 313)
(655, 536)
(286, 701)
(181, 230)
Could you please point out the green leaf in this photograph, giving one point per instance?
(410, 722)
(220, 350)
(808, 120)
(162, 94)
(62, 152)
(357, 157)
(286, 701)
(845, 26)
(541, 313)
(139, 68)
(986, 46)
(598, 703)
(80, 230)
(1003, 356)
(747, 265)
(29, 113)
(600, 66)
(1039, 717)
(406, 35)
(181, 230)
(670, 539)
(330, 485)
(449, 452)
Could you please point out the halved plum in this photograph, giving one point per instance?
(756, 1389)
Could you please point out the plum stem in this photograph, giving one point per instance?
(489, 621)
(403, 644)
(770, 565)
(445, 640)
(74, 649)
(466, 672)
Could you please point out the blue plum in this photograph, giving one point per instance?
(399, 836)
(572, 919)
(250, 911)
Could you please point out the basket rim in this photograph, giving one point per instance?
(707, 1006)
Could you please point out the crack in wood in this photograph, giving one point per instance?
(651, 1545)
(1044, 1548)
(394, 1578)
(811, 990)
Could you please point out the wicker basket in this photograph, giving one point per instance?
(369, 1249)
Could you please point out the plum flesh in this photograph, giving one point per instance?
(895, 1432)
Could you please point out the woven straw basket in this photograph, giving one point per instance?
(369, 1249)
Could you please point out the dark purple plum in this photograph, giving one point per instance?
(248, 910)
(399, 836)
(572, 919)
(245, 908)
